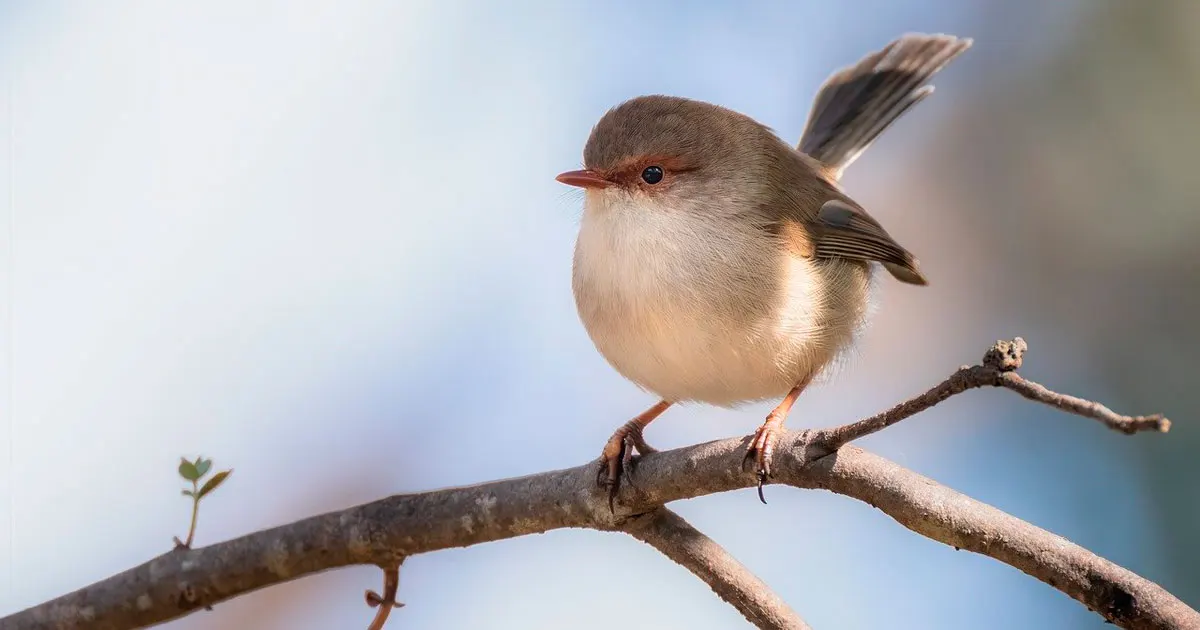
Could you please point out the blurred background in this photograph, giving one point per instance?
(322, 244)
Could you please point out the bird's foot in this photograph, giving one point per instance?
(762, 446)
(616, 460)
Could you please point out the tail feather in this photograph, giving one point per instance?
(859, 102)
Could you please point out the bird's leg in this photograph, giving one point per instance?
(618, 452)
(762, 445)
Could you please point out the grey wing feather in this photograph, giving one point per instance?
(843, 231)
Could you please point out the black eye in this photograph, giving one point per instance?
(652, 174)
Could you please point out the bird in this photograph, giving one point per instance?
(716, 263)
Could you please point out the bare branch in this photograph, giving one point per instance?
(939, 513)
(998, 369)
(179, 582)
(677, 539)
(386, 531)
(1086, 408)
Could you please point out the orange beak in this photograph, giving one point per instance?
(584, 179)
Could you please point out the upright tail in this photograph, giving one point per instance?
(859, 102)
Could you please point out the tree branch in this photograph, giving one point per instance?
(998, 369)
(386, 531)
(669, 533)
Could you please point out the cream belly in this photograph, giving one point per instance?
(708, 309)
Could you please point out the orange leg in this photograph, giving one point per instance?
(762, 445)
(618, 452)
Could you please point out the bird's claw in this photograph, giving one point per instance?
(617, 463)
(758, 454)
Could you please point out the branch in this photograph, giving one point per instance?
(669, 533)
(998, 369)
(386, 531)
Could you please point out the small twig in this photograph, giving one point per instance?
(677, 539)
(386, 602)
(191, 535)
(998, 369)
(1086, 408)
(194, 471)
(195, 513)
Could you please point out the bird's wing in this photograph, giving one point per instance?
(842, 230)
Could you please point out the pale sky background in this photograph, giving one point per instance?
(321, 242)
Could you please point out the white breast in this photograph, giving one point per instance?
(702, 308)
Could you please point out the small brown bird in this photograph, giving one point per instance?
(717, 264)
